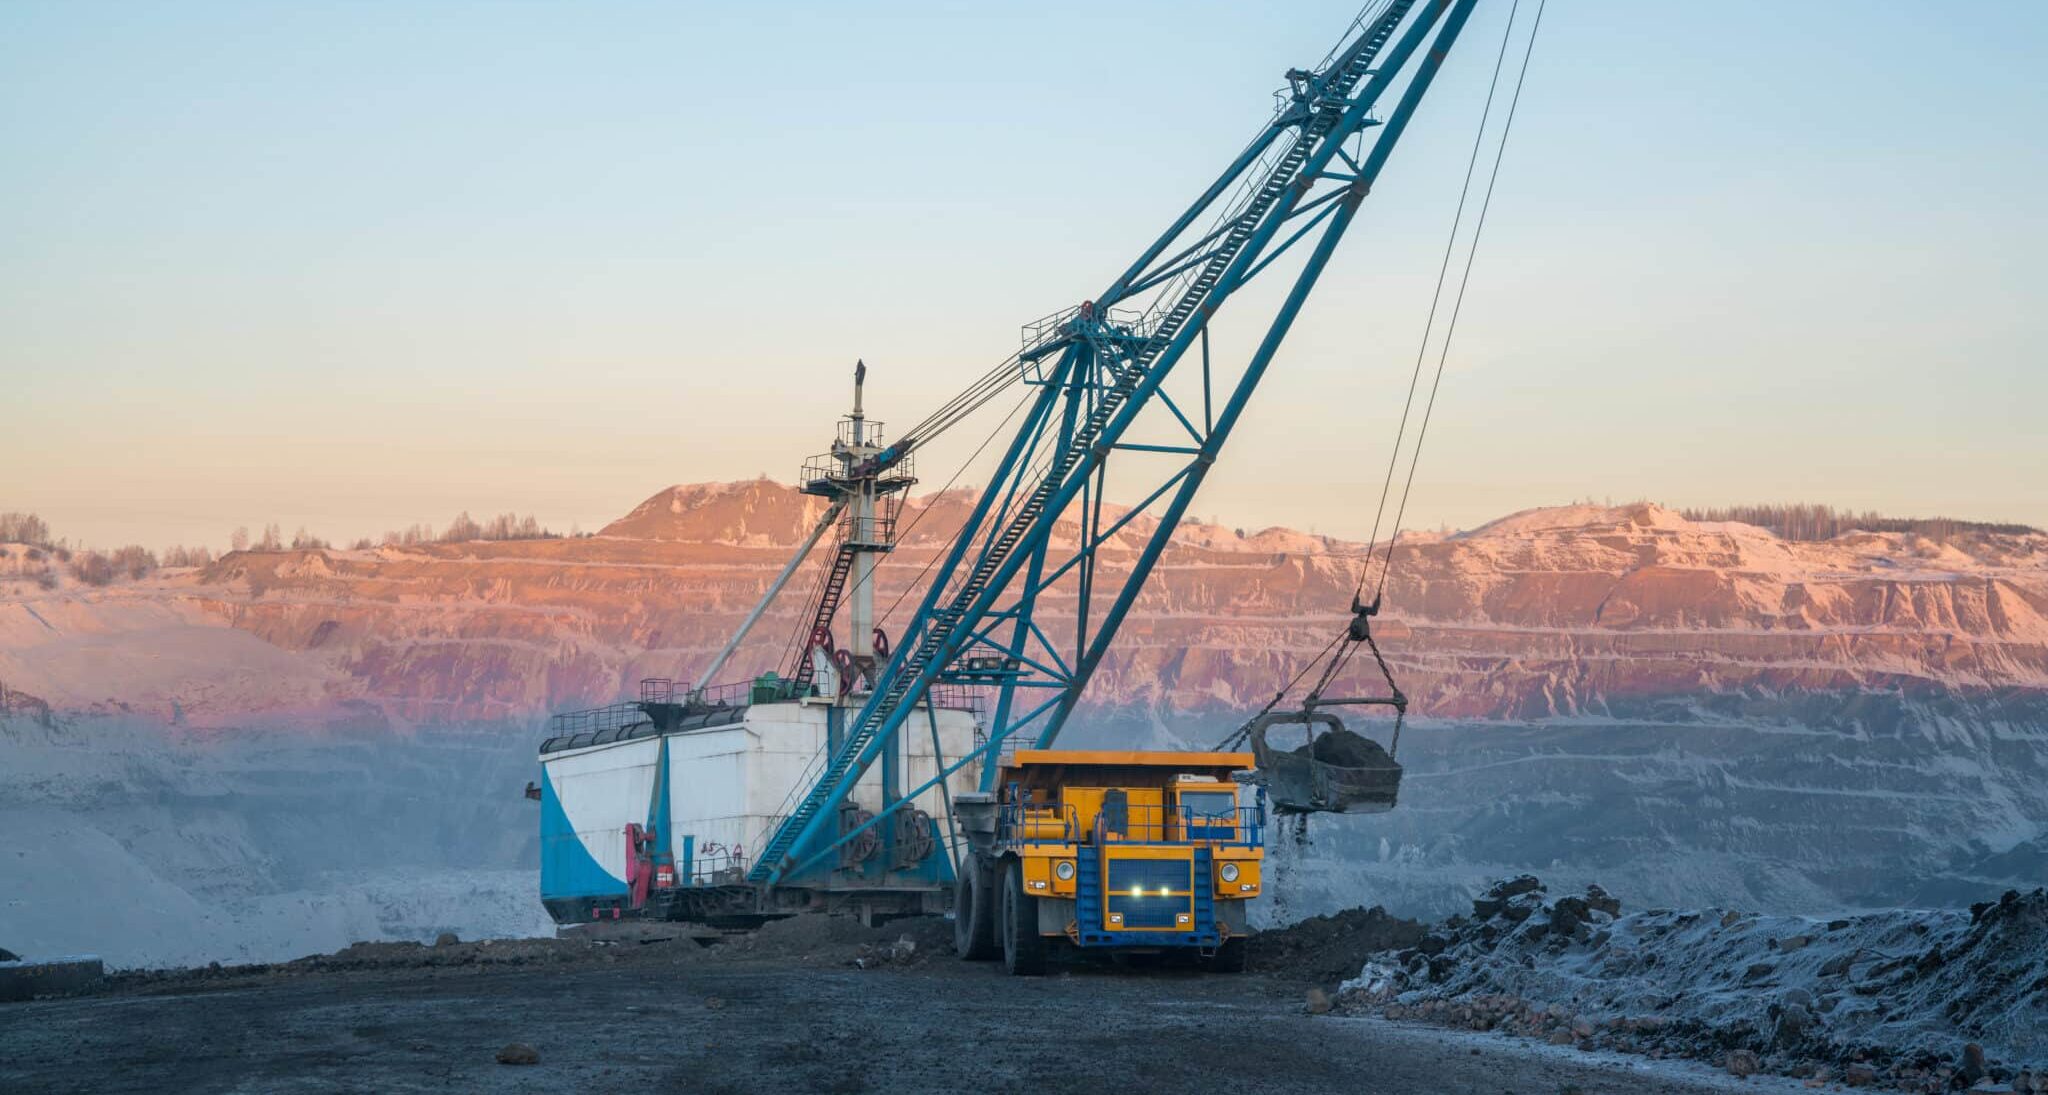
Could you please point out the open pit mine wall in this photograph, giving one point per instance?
(1581, 612)
(1688, 713)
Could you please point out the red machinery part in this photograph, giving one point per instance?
(640, 864)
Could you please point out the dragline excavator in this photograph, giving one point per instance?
(921, 778)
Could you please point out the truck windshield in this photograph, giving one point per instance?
(1209, 805)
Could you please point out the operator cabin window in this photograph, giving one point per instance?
(1211, 815)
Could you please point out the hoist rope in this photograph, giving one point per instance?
(1237, 736)
(1010, 370)
(950, 540)
(800, 632)
(1358, 632)
(1464, 280)
(1429, 325)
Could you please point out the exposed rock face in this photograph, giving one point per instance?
(1692, 713)
(1574, 611)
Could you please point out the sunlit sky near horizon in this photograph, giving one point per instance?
(356, 266)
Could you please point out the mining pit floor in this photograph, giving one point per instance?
(780, 1011)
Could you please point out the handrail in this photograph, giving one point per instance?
(781, 812)
(1144, 823)
(722, 867)
(1010, 814)
(1245, 826)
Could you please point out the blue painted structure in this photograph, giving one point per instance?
(1117, 385)
(568, 872)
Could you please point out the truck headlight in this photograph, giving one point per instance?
(1229, 872)
(1064, 870)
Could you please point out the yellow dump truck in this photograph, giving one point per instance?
(1130, 851)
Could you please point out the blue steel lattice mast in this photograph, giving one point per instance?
(1102, 372)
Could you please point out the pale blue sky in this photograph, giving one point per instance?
(357, 265)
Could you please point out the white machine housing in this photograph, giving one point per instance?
(728, 785)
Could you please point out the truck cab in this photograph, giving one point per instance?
(1129, 851)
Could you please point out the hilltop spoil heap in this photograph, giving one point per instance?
(1911, 999)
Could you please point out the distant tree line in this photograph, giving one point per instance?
(505, 526)
(24, 528)
(181, 556)
(43, 555)
(1811, 521)
(464, 528)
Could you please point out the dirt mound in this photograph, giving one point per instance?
(839, 940)
(359, 957)
(1916, 999)
(1327, 950)
(809, 939)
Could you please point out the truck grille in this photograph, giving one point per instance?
(1135, 887)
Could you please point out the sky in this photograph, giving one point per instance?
(354, 266)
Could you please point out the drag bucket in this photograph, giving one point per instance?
(1334, 772)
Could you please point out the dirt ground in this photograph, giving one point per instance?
(787, 1010)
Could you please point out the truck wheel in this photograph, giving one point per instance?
(974, 912)
(1230, 957)
(1023, 948)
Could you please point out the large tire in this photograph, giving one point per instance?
(974, 912)
(1230, 957)
(1023, 947)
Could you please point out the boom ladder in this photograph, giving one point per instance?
(1101, 365)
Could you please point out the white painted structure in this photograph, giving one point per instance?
(730, 785)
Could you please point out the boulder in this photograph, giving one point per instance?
(1520, 884)
(1973, 1067)
(1598, 898)
(518, 1053)
(1793, 1023)
(1567, 914)
(1742, 1063)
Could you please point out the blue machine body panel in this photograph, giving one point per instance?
(568, 869)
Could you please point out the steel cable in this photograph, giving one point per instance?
(1342, 657)
(1458, 305)
(1435, 301)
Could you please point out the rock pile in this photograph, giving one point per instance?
(1917, 1000)
(843, 940)
(903, 952)
(1328, 950)
(1345, 749)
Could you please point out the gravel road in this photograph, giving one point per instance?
(672, 1016)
